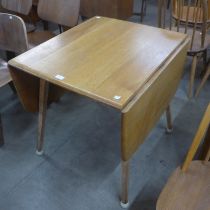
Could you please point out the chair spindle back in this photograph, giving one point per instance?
(186, 16)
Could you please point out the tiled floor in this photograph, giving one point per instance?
(81, 166)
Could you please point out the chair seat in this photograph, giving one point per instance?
(187, 191)
(196, 48)
(38, 37)
(4, 73)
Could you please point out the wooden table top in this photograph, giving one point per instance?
(105, 59)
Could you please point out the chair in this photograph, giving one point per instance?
(21, 8)
(65, 13)
(188, 186)
(206, 76)
(12, 38)
(189, 17)
(5, 79)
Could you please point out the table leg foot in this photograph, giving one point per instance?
(169, 130)
(124, 205)
(39, 153)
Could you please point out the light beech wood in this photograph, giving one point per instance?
(188, 186)
(134, 68)
(147, 107)
(191, 17)
(187, 191)
(99, 66)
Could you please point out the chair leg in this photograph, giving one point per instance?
(207, 74)
(125, 183)
(12, 87)
(192, 76)
(142, 10)
(1, 134)
(43, 95)
(168, 4)
(169, 127)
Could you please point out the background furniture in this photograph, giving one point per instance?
(188, 186)
(12, 38)
(108, 8)
(23, 9)
(62, 12)
(119, 70)
(189, 17)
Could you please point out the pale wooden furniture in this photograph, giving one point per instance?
(123, 69)
(12, 38)
(206, 76)
(190, 13)
(22, 8)
(191, 17)
(188, 186)
(108, 8)
(62, 12)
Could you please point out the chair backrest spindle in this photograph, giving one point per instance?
(189, 17)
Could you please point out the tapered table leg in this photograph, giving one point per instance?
(169, 127)
(43, 95)
(125, 184)
(1, 134)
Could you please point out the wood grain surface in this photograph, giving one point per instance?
(105, 59)
(187, 191)
(143, 112)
